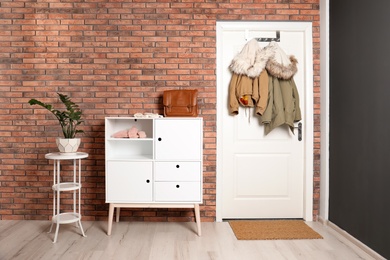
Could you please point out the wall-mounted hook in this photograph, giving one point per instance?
(276, 39)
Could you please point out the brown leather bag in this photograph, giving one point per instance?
(180, 103)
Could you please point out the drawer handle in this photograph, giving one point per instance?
(159, 139)
(147, 181)
(178, 186)
(177, 166)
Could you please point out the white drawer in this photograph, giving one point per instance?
(177, 171)
(177, 191)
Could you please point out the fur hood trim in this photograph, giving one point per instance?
(252, 59)
(280, 65)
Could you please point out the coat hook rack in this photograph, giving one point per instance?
(277, 39)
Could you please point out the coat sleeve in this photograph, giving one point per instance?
(233, 102)
(263, 93)
(267, 115)
(298, 116)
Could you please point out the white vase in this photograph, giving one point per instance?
(68, 145)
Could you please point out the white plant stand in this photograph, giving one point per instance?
(58, 186)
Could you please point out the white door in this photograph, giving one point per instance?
(264, 176)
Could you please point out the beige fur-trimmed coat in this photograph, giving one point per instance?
(249, 83)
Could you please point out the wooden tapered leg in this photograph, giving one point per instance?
(110, 218)
(118, 212)
(197, 218)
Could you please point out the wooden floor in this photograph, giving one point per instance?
(143, 240)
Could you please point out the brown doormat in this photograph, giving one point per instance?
(272, 230)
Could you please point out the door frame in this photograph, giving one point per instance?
(324, 85)
(308, 128)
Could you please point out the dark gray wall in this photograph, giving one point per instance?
(360, 120)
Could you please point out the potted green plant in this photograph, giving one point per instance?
(69, 120)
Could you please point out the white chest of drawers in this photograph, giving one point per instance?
(161, 170)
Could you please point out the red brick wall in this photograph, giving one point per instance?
(113, 58)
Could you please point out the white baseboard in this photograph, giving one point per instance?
(350, 240)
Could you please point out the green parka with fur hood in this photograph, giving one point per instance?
(283, 99)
